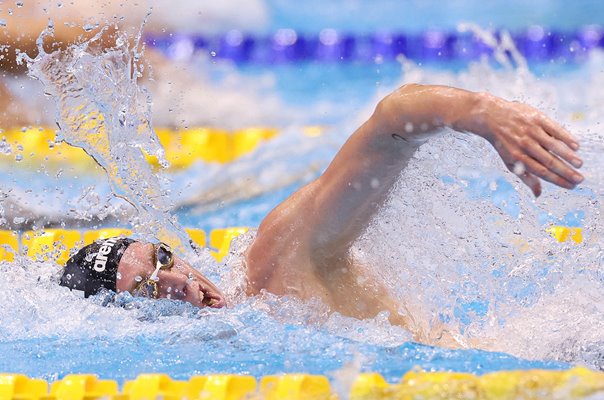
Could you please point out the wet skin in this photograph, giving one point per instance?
(181, 282)
(302, 247)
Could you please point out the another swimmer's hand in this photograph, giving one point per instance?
(530, 144)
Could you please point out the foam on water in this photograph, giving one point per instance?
(464, 247)
(462, 243)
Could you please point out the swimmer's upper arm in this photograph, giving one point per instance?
(317, 225)
(354, 187)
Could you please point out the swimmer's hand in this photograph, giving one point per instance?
(530, 144)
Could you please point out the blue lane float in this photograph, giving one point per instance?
(536, 43)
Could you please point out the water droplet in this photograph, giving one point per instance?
(5, 148)
(18, 157)
(20, 147)
(213, 53)
(10, 11)
(138, 278)
(409, 127)
(118, 276)
(2, 22)
(169, 289)
(519, 168)
(18, 220)
(19, 4)
(88, 27)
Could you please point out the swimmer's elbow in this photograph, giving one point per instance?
(415, 112)
(393, 113)
(383, 119)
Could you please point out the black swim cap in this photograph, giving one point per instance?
(95, 266)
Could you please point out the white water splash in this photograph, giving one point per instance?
(101, 108)
(467, 255)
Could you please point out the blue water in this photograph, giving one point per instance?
(116, 343)
(292, 349)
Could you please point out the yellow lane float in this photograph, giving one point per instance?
(57, 245)
(565, 233)
(575, 383)
(36, 146)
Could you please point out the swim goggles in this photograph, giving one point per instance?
(164, 260)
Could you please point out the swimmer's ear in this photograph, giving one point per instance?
(532, 182)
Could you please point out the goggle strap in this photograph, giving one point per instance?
(153, 276)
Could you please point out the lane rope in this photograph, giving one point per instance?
(536, 43)
(57, 244)
(575, 383)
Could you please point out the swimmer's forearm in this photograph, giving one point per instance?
(530, 144)
(20, 37)
(415, 111)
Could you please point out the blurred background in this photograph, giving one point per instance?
(312, 70)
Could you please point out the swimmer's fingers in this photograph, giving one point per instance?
(519, 161)
(526, 163)
(552, 162)
(558, 132)
(532, 182)
(557, 147)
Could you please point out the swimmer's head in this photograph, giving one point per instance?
(143, 269)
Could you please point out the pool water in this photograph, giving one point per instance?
(455, 215)
(52, 334)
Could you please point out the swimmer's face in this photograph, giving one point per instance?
(181, 282)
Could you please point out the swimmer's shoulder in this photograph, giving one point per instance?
(279, 253)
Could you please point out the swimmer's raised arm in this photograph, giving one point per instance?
(317, 225)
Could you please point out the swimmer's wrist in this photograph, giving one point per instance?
(472, 116)
(415, 112)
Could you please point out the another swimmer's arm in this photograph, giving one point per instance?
(530, 144)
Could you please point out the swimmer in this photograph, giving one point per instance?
(302, 247)
(170, 81)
